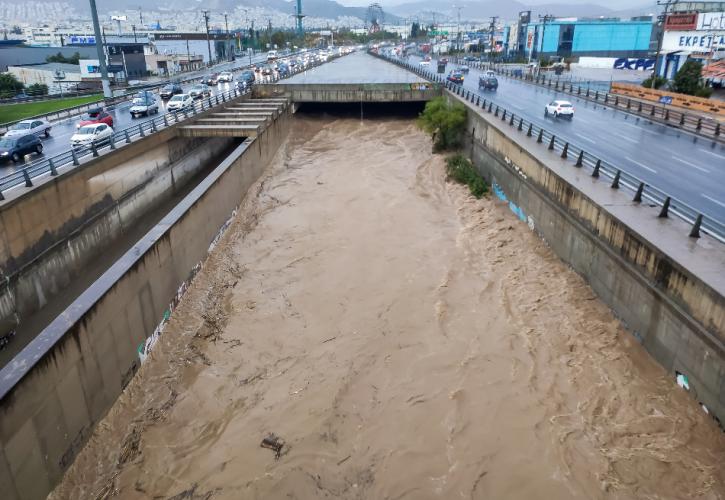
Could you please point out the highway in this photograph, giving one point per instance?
(687, 167)
(59, 140)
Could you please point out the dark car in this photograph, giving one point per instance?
(469, 58)
(443, 60)
(488, 83)
(246, 78)
(15, 148)
(169, 91)
(283, 70)
(455, 77)
(211, 79)
(464, 69)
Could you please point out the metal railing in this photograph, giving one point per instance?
(704, 126)
(617, 178)
(75, 156)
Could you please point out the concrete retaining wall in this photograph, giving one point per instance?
(666, 287)
(66, 379)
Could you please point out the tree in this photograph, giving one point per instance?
(414, 30)
(278, 38)
(445, 122)
(37, 89)
(60, 58)
(688, 79)
(9, 85)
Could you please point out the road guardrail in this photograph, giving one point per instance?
(617, 178)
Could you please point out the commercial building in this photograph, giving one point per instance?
(692, 35)
(59, 77)
(587, 37)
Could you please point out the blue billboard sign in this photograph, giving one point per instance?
(82, 40)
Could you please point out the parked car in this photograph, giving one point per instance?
(36, 127)
(199, 91)
(487, 83)
(97, 133)
(145, 105)
(559, 108)
(16, 147)
(170, 90)
(179, 102)
(226, 76)
(96, 115)
(456, 76)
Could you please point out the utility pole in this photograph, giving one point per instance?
(492, 28)
(133, 27)
(661, 21)
(458, 28)
(544, 19)
(226, 26)
(205, 13)
(100, 52)
(188, 55)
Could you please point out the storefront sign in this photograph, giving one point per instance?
(711, 21)
(632, 63)
(82, 40)
(692, 41)
(681, 22)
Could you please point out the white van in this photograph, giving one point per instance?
(271, 55)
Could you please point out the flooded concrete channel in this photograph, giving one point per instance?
(366, 329)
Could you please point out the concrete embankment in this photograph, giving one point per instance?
(54, 392)
(667, 288)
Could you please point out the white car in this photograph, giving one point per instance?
(96, 133)
(36, 127)
(179, 101)
(425, 62)
(226, 76)
(559, 108)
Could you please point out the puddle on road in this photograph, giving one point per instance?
(391, 337)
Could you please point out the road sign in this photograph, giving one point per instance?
(666, 99)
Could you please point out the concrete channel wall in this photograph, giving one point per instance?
(351, 92)
(57, 389)
(666, 287)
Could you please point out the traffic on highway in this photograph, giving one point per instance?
(676, 161)
(95, 126)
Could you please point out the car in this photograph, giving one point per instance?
(490, 74)
(559, 108)
(425, 62)
(96, 115)
(170, 90)
(469, 58)
(464, 69)
(36, 126)
(266, 70)
(144, 94)
(455, 77)
(210, 79)
(246, 77)
(443, 60)
(199, 91)
(179, 102)
(283, 70)
(488, 83)
(225, 76)
(271, 55)
(145, 105)
(16, 147)
(93, 134)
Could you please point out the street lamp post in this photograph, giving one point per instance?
(100, 52)
(208, 42)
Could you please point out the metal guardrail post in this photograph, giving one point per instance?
(490, 106)
(140, 130)
(540, 139)
(503, 118)
(717, 129)
(521, 124)
(531, 127)
(638, 195)
(51, 166)
(75, 156)
(667, 115)
(128, 137)
(595, 172)
(639, 108)
(665, 208)
(112, 141)
(94, 149)
(699, 124)
(26, 176)
(496, 113)
(565, 151)
(153, 126)
(580, 159)
(615, 182)
(552, 141)
(695, 233)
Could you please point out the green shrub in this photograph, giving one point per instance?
(659, 81)
(461, 170)
(705, 92)
(445, 122)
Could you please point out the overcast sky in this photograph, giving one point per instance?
(612, 4)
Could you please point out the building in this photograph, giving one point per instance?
(588, 37)
(59, 77)
(692, 35)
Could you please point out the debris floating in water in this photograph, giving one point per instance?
(274, 443)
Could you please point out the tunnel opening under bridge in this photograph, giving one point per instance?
(366, 110)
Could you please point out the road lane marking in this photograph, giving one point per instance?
(714, 154)
(691, 164)
(713, 200)
(583, 120)
(634, 141)
(585, 138)
(641, 165)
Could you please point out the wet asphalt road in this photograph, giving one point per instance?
(683, 165)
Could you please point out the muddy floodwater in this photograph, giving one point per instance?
(393, 338)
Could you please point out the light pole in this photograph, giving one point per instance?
(100, 52)
(208, 42)
(662, 18)
(226, 27)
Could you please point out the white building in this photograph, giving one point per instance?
(59, 77)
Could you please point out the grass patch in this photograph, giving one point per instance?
(13, 112)
(445, 122)
(461, 170)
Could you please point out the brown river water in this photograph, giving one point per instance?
(403, 341)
